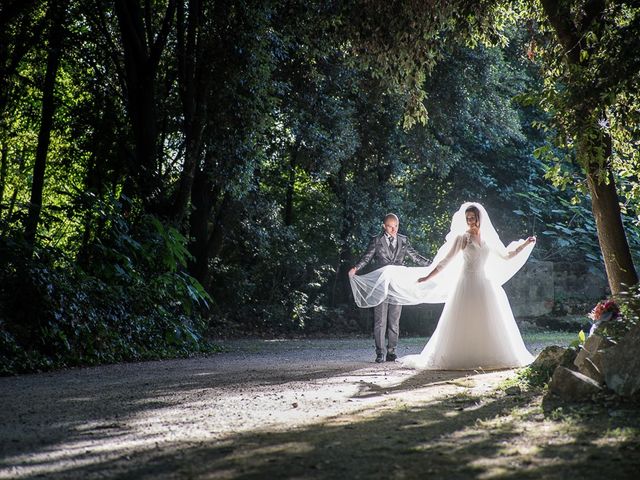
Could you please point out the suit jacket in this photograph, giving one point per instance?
(379, 253)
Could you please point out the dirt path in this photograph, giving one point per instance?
(285, 409)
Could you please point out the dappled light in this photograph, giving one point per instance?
(200, 200)
(256, 418)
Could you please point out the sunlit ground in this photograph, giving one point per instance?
(303, 409)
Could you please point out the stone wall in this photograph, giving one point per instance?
(542, 286)
(531, 291)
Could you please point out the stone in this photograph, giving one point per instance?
(597, 342)
(549, 358)
(621, 364)
(514, 390)
(568, 357)
(592, 369)
(573, 386)
(589, 358)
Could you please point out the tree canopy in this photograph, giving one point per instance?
(176, 169)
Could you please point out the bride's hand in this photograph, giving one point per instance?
(424, 279)
(531, 240)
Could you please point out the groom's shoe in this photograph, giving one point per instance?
(379, 357)
(391, 357)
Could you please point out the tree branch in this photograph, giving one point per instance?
(161, 39)
(559, 16)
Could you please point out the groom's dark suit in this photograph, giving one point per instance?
(386, 316)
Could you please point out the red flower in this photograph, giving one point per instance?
(604, 310)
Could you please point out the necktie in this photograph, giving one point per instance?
(392, 245)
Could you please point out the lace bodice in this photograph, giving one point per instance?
(474, 256)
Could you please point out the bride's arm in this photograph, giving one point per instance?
(459, 244)
(520, 247)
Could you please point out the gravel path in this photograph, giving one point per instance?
(150, 420)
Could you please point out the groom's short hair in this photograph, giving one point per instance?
(391, 215)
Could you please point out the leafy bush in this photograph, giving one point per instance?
(132, 302)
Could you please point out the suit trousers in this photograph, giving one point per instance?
(386, 321)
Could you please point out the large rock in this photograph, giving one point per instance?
(573, 386)
(549, 357)
(589, 358)
(553, 356)
(621, 364)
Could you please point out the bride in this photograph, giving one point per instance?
(476, 328)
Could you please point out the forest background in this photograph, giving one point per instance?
(172, 171)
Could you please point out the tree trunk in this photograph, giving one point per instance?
(340, 288)
(611, 236)
(199, 232)
(193, 79)
(15, 42)
(92, 184)
(57, 31)
(14, 197)
(142, 54)
(291, 183)
(3, 173)
(222, 214)
(211, 208)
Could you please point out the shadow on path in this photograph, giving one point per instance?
(459, 438)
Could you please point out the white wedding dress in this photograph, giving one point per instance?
(476, 329)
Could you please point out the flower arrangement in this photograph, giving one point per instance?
(605, 310)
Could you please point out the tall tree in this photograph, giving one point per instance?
(581, 29)
(144, 42)
(20, 29)
(195, 64)
(57, 29)
(239, 87)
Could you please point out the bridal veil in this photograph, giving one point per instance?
(399, 285)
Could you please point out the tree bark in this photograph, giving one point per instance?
(13, 47)
(14, 197)
(209, 202)
(340, 289)
(611, 236)
(57, 31)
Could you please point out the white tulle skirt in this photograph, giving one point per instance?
(476, 331)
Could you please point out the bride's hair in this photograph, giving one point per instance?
(475, 210)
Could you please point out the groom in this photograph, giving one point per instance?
(388, 248)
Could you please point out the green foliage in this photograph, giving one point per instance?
(132, 303)
(304, 124)
(538, 374)
(534, 377)
(581, 338)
